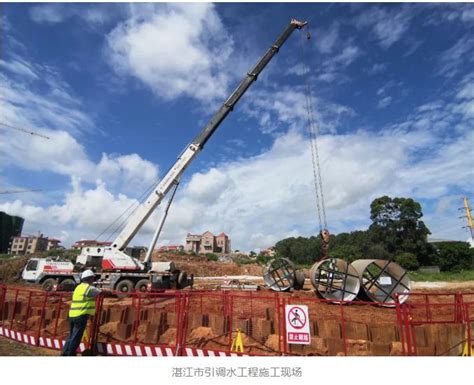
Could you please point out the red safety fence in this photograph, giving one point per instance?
(205, 323)
(436, 324)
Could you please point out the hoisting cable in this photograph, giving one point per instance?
(135, 203)
(313, 133)
(161, 223)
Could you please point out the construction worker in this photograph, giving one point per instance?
(82, 307)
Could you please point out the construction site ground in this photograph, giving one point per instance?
(209, 275)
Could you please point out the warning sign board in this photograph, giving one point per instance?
(297, 324)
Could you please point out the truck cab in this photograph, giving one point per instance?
(38, 268)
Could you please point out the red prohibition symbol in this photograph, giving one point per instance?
(296, 317)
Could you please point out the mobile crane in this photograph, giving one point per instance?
(118, 270)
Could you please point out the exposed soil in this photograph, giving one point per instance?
(12, 348)
(10, 269)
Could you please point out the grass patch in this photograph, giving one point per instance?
(447, 276)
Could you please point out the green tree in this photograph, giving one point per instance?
(397, 225)
(300, 250)
(408, 261)
(454, 256)
(212, 257)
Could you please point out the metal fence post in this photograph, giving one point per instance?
(43, 310)
(94, 330)
(28, 310)
(2, 302)
(136, 323)
(398, 311)
(14, 309)
(343, 328)
(469, 336)
(58, 312)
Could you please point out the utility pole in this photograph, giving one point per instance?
(468, 216)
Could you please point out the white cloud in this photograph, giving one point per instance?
(47, 13)
(298, 69)
(133, 172)
(331, 68)
(468, 14)
(272, 194)
(176, 50)
(326, 40)
(54, 108)
(377, 68)
(285, 108)
(384, 102)
(451, 13)
(466, 89)
(456, 56)
(58, 13)
(387, 26)
(82, 215)
(57, 113)
(264, 198)
(19, 67)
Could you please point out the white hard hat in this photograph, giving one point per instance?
(87, 274)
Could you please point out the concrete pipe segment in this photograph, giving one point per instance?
(335, 279)
(382, 280)
(279, 274)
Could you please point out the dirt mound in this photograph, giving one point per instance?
(168, 337)
(272, 342)
(202, 332)
(201, 267)
(10, 269)
(109, 329)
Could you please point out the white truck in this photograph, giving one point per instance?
(62, 275)
(115, 268)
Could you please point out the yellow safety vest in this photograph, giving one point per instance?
(81, 304)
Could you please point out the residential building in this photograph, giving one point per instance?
(28, 244)
(10, 226)
(207, 243)
(222, 243)
(193, 243)
(53, 244)
(89, 243)
(270, 252)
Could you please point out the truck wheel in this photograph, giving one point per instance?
(142, 285)
(48, 284)
(124, 286)
(67, 285)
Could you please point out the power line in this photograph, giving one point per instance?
(24, 130)
(18, 191)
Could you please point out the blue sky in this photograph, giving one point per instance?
(120, 89)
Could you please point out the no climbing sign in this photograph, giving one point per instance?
(297, 324)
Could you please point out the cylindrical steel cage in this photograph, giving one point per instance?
(381, 280)
(335, 279)
(279, 274)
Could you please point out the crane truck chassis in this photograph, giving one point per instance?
(120, 271)
(60, 275)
